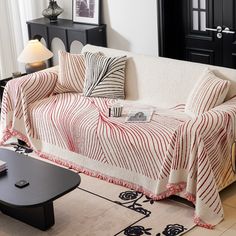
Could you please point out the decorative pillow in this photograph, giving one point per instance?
(104, 76)
(210, 91)
(71, 73)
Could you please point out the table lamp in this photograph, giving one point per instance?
(34, 55)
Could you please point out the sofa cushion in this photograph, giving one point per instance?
(71, 73)
(209, 91)
(104, 76)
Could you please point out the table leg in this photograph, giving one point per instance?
(41, 217)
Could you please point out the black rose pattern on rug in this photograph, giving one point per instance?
(132, 200)
(128, 195)
(172, 230)
(148, 199)
(137, 231)
(22, 149)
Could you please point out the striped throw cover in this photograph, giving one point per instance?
(210, 91)
(71, 73)
(172, 154)
(105, 76)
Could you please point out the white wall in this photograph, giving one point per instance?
(67, 7)
(131, 24)
(13, 31)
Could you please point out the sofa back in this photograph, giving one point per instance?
(160, 81)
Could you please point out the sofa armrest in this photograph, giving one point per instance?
(201, 149)
(220, 117)
(204, 130)
(227, 106)
(19, 93)
(218, 120)
(207, 137)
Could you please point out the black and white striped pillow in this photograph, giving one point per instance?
(104, 76)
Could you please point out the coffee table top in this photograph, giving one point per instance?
(47, 181)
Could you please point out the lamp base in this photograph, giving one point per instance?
(34, 67)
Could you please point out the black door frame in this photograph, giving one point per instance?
(170, 11)
(161, 27)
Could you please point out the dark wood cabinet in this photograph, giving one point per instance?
(67, 31)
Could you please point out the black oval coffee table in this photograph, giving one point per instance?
(33, 204)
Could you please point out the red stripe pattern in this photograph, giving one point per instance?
(171, 154)
(71, 73)
(210, 91)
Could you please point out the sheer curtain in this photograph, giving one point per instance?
(13, 31)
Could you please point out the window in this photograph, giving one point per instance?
(199, 15)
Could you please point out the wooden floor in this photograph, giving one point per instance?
(66, 220)
(228, 226)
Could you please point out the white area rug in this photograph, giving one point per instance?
(100, 208)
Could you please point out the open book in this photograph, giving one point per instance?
(139, 115)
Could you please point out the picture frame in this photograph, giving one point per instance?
(86, 11)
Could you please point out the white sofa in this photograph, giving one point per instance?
(162, 82)
(30, 112)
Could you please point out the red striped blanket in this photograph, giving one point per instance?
(173, 154)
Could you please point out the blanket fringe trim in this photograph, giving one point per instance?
(173, 188)
(201, 223)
